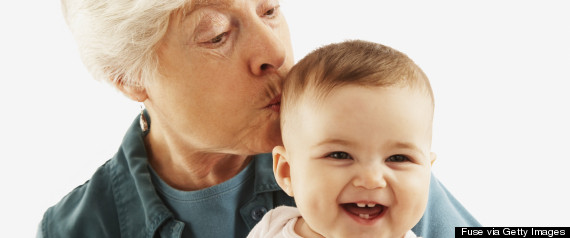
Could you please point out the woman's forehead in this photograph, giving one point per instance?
(197, 4)
(194, 5)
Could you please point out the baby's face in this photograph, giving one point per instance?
(360, 160)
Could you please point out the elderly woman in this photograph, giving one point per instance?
(209, 74)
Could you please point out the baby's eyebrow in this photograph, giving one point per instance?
(333, 141)
(405, 145)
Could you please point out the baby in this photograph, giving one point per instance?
(356, 122)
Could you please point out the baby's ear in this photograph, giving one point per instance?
(281, 169)
(433, 157)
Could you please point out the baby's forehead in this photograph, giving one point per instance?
(312, 100)
(318, 97)
(367, 117)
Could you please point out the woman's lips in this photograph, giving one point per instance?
(275, 103)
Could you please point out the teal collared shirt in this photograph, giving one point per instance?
(120, 200)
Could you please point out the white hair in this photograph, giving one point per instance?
(117, 38)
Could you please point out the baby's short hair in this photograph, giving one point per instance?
(354, 62)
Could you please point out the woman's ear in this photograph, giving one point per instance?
(433, 157)
(281, 169)
(135, 93)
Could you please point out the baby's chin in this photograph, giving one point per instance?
(382, 229)
(378, 233)
(366, 234)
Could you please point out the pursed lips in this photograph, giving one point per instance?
(275, 103)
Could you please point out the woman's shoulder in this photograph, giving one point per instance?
(83, 209)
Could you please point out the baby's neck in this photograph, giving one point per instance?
(303, 230)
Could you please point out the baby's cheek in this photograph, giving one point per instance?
(416, 198)
(309, 193)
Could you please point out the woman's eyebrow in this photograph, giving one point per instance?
(203, 22)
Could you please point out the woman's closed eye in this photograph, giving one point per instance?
(272, 12)
(338, 155)
(398, 158)
(213, 29)
(218, 39)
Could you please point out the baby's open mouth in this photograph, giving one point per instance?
(367, 211)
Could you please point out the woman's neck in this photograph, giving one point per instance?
(185, 168)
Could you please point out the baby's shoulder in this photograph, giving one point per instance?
(274, 221)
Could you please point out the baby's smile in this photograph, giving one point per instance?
(364, 212)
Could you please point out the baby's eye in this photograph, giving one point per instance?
(397, 158)
(339, 155)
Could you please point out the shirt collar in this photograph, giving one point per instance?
(133, 186)
(132, 169)
(264, 179)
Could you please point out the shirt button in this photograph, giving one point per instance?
(258, 212)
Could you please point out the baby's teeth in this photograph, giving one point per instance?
(371, 204)
(361, 204)
(364, 216)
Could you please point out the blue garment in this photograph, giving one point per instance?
(193, 207)
(120, 200)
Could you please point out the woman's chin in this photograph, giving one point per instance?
(266, 143)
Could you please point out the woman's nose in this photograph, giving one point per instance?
(266, 48)
(370, 177)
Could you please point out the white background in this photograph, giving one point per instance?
(499, 71)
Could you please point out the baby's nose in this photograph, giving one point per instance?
(370, 177)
